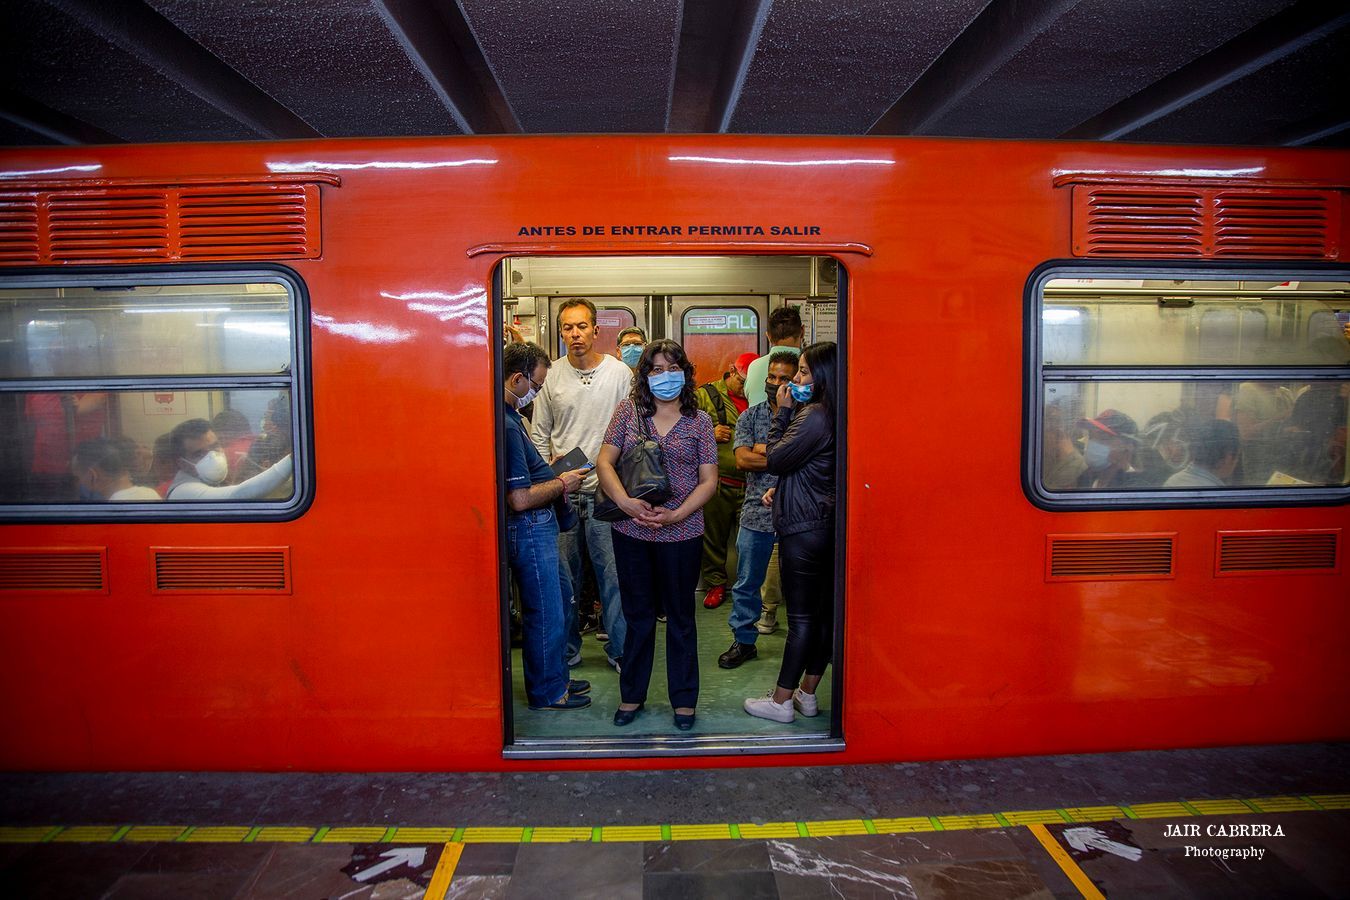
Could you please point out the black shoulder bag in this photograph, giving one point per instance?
(643, 473)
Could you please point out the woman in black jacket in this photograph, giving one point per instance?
(801, 452)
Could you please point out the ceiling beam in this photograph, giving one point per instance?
(744, 42)
(712, 40)
(154, 40)
(1284, 33)
(1308, 131)
(1001, 31)
(439, 42)
(50, 124)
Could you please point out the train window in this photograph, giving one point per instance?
(714, 336)
(1189, 391)
(117, 391)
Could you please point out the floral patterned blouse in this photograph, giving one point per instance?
(683, 449)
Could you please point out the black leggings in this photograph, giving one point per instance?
(807, 561)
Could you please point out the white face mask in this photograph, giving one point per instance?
(212, 468)
(522, 402)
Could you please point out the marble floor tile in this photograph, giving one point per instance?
(65, 871)
(611, 871)
(806, 867)
(1007, 879)
(487, 859)
(710, 886)
(1234, 879)
(476, 887)
(706, 856)
(176, 886)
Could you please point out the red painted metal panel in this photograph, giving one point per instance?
(42, 570)
(1109, 557)
(387, 654)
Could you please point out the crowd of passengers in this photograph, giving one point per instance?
(1264, 433)
(199, 459)
(751, 462)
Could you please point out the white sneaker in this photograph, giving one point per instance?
(767, 624)
(805, 703)
(765, 708)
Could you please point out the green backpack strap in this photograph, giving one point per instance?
(719, 404)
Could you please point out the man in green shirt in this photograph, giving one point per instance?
(785, 333)
(724, 400)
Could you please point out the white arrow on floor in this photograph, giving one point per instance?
(412, 856)
(1085, 839)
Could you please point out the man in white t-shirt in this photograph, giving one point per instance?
(573, 410)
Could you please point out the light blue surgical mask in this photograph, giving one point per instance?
(801, 392)
(667, 385)
(1096, 454)
(630, 354)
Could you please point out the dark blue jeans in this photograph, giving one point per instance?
(753, 550)
(591, 539)
(532, 550)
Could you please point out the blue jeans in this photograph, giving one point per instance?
(753, 549)
(596, 540)
(532, 551)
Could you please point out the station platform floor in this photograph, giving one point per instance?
(1271, 821)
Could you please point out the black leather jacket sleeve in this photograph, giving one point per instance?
(794, 440)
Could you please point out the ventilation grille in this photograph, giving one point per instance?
(245, 220)
(29, 569)
(217, 570)
(1275, 223)
(1277, 552)
(1102, 557)
(18, 228)
(1194, 223)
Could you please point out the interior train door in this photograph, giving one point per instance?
(612, 315)
(716, 330)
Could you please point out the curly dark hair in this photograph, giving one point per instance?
(641, 394)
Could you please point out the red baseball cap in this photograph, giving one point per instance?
(743, 362)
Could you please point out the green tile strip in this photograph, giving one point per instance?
(388, 835)
(318, 835)
(459, 836)
(527, 835)
(252, 835)
(665, 832)
(52, 834)
(1192, 809)
(184, 836)
(119, 834)
(595, 835)
(801, 829)
(867, 823)
(1064, 814)
(735, 831)
(1315, 804)
(937, 826)
(1002, 820)
(1129, 813)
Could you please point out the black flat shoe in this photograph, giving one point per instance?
(624, 717)
(683, 722)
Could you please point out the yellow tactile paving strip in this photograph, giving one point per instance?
(382, 834)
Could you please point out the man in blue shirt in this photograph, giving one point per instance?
(532, 491)
(755, 539)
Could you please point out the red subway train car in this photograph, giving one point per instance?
(1092, 485)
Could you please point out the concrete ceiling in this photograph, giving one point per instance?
(1187, 71)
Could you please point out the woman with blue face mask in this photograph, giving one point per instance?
(801, 452)
(657, 552)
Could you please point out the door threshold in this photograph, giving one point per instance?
(705, 745)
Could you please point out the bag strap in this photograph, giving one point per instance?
(719, 404)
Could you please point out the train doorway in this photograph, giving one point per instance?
(719, 310)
